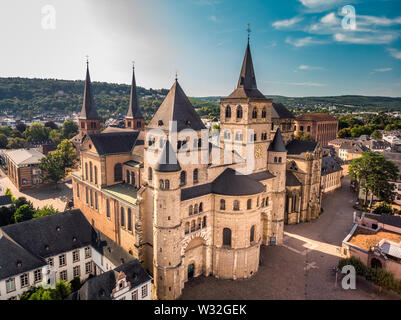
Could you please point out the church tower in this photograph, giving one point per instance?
(134, 119)
(88, 119)
(245, 117)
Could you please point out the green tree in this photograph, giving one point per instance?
(16, 143)
(45, 211)
(384, 208)
(3, 141)
(6, 216)
(344, 133)
(67, 153)
(23, 213)
(6, 130)
(37, 132)
(376, 135)
(21, 127)
(55, 136)
(52, 167)
(69, 129)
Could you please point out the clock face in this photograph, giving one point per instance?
(258, 151)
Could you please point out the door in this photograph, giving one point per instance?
(191, 271)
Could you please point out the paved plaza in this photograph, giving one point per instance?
(302, 267)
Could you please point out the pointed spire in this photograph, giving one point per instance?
(88, 110)
(133, 109)
(168, 161)
(247, 79)
(277, 145)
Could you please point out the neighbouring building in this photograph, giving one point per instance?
(321, 127)
(23, 168)
(62, 246)
(5, 201)
(376, 240)
(395, 157)
(184, 219)
(331, 174)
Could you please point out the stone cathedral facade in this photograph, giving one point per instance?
(183, 219)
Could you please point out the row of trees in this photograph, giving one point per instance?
(61, 291)
(373, 173)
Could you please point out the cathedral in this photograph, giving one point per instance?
(208, 216)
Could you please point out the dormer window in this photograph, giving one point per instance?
(188, 123)
(160, 122)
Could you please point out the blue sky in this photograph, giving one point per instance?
(299, 47)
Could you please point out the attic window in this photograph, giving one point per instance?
(188, 123)
(74, 239)
(19, 264)
(90, 146)
(160, 122)
(47, 248)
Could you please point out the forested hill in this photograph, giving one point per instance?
(32, 96)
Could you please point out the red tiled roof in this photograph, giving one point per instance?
(316, 117)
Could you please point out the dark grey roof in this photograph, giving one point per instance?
(101, 287)
(167, 161)
(299, 146)
(281, 112)
(176, 107)
(88, 110)
(231, 183)
(133, 108)
(330, 165)
(5, 200)
(52, 235)
(115, 142)
(394, 221)
(14, 259)
(291, 180)
(246, 87)
(277, 145)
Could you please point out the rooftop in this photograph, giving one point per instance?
(24, 156)
(366, 238)
(316, 117)
(123, 191)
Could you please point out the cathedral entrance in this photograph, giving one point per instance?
(376, 263)
(191, 271)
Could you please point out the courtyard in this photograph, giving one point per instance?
(302, 267)
(58, 197)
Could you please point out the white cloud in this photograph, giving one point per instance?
(366, 39)
(308, 84)
(301, 42)
(383, 70)
(304, 67)
(377, 21)
(286, 23)
(395, 53)
(318, 5)
(330, 19)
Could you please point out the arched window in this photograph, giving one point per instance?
(266, 202)
(128, 176)
(254, 113)
(86, 171)
(161, 184)
(196, 209)
(199, 224)
(204, 222)
(272, 126)
(186, 227)
(118, 172)
(166, 184)
(122, 220)
(195, 143)
(107, 208)
(228, 112)
(133, 178)
(195, 176)
(192, 225)
(227, 237)
(200, 207)
(150, 174)
(95, 174)
(249, 204)
(222, 204)
(236, 205)
(252, 234)
(239, 112)
(227, 135)
(90, 171)
(129, 219)
(190, 210)
(275, 159)
(264, 113)
(183, 178)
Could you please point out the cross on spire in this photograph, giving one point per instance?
(87, 60)
(176, 75)
(249, 31)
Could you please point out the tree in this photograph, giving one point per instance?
(37, 132)
(55, 136)
(67, 153)
(6, 130)
(52, 167)
(61, 291)
(300, 135)
(69, 129)
(344, 133)
(6, 216)
(21, 127)
(23, 213)
(51, 125)
(376, 135)
(3, 141)
(16, 143)
(384, 208)
(45, 211)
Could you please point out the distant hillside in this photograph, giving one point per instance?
(27, 97)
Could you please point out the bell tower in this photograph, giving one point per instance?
(134, 119)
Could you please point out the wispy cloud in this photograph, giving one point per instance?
(304, 67)
(286, 23)
(366, 39)
(210, 3)
(395, 53)
(302, 42)
(382, 70)
(378, 21)
(299, 84)
(321, 5)
(213, 18)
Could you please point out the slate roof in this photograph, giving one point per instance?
(24, 156)
(114, 142)
(281, 112)
(133, 108)
(394, 221)
(277, 145)
(330, 165)
(291, 180)
(229, 183)
(246, 87)
(88, 110)
(295, 147)
(101, 287)
(167, 161)
(316, 117)
(176, 107)
(5, 200)
(391, 249)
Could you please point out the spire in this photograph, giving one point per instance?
(88, 110)
(247, 78)
(277, 145)
(133, 109)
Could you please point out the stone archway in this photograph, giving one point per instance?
(195, 258)
(376, 263)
